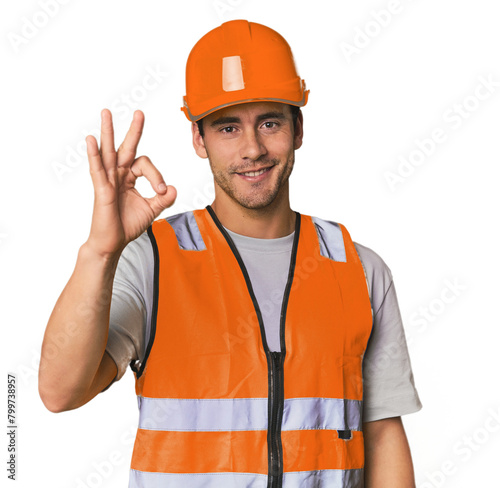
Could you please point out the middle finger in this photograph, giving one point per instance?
(128, 148)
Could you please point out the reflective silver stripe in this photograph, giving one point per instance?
(331, 241)
(350, 478)
(203, 415)
(336, 478)
(321, 413)
(247, 414)
(142, 479)
(187, 231)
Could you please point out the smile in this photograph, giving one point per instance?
(255, 173)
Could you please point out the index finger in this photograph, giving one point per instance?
(128, 148)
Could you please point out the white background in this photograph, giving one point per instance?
(366, 110)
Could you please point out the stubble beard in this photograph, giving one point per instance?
(257, 198)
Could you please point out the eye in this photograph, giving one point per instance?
(270, 124)
(228, 129)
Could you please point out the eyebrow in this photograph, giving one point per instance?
(237, 120)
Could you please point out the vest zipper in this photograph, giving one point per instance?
(274, 359)
(276, 407)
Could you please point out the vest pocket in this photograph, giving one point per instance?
(345, 434)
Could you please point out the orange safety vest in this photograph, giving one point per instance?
(217, 408)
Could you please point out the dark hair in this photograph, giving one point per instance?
(295, 113)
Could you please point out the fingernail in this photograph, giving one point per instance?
(162, 187)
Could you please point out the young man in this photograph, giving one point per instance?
(252, 330)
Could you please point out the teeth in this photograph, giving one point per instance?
(255, 173)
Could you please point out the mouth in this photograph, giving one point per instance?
(255, 172)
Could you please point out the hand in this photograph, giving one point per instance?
(120, 213)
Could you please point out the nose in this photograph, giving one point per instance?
(252, 147)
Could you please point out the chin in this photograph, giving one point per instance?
(256, 204)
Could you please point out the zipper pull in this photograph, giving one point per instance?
(276, 356)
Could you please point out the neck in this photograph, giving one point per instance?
(275, 220)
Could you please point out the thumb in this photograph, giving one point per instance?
(161, 201)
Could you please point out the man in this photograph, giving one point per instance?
(252, 330)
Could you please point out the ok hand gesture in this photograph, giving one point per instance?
(120, 213)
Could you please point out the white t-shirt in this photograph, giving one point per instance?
(388, 385)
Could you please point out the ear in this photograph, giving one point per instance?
(198, 142)
(299, 131)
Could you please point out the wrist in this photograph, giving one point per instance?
(88, 254)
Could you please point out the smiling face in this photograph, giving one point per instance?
(251, 148)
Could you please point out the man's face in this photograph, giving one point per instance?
(251, 151)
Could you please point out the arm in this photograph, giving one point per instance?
(388, 461)
(74, 366)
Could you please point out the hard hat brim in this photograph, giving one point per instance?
(196, 117)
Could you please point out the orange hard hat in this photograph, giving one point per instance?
(240, 62)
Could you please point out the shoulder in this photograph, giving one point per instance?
(139, 248)
(136, 261)
(377, 272)
(178, 231)
(373, 263)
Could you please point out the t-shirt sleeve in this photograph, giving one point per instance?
(130, 304)
(388, 384)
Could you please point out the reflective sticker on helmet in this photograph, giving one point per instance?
(232, 74)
